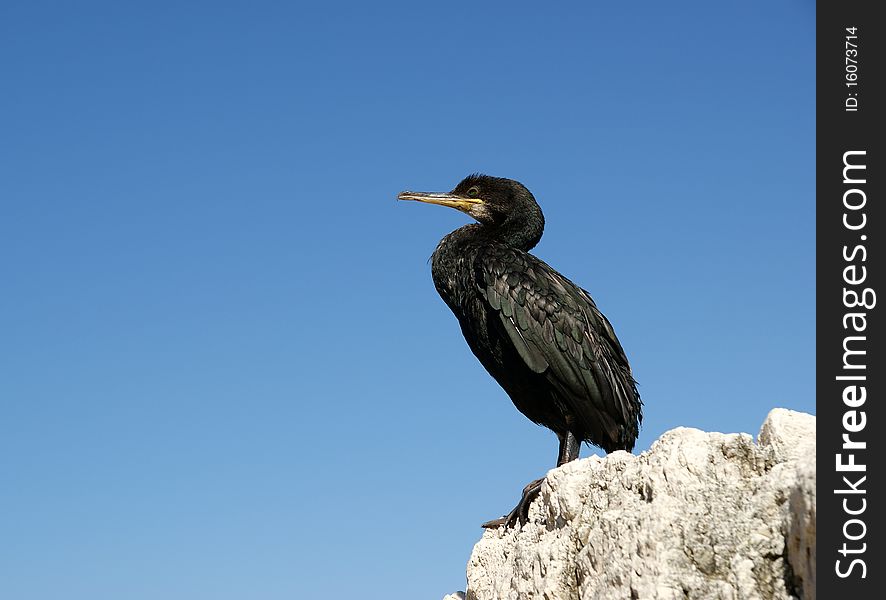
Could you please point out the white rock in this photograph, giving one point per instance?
(700, 515)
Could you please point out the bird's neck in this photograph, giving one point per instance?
(519, 231)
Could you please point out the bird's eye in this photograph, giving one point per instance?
(473, 192)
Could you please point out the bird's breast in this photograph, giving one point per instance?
(452, 270)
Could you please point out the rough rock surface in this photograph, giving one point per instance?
(699, 515)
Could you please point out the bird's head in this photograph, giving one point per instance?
(490, 200)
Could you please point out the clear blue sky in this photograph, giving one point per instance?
(224, 370)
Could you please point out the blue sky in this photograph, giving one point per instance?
(225, 371)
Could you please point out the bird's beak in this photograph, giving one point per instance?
(461, 203)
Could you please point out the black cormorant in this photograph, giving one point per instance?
(538, 334)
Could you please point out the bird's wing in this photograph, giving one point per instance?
(558, 331)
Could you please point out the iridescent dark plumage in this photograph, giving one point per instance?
(538, 334)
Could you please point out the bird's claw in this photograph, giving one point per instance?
(520, 513)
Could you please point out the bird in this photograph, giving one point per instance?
(539, 335)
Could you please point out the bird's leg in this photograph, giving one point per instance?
(569, 450)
